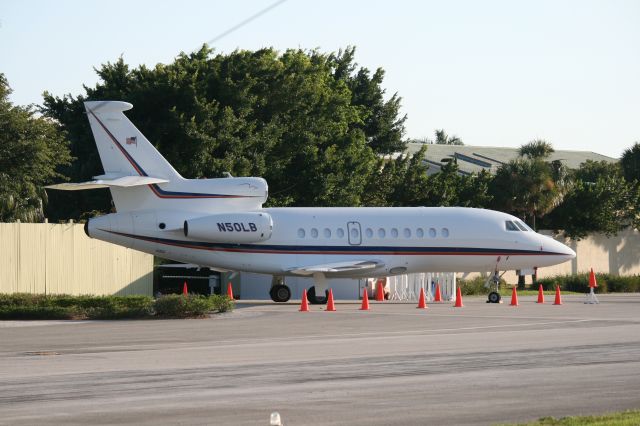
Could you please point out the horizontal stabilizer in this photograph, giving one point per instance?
(120, 182)
(348, 266)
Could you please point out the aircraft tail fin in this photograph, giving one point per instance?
(123, 149)
(140, 178)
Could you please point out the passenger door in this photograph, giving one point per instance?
(354, 233)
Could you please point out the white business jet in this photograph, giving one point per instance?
(220, 223)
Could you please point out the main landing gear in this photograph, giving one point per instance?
(279, 292)
(315, 299)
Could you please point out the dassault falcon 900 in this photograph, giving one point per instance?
(220, 223)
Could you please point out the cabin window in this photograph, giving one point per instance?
(394, 232)
(340, 233)
(382, 233)
(432, 232)
(301, 233)
(511, 226)
(369, 232)
(407, 233)
(314, 233)
(522, 226)
(327, 233)
(445, 232)
(354, 233)
(419, 233)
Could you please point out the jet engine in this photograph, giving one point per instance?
(249, 227)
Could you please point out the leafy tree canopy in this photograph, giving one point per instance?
(630, 162)
(32, 149)
(312, 124)
(598, 200)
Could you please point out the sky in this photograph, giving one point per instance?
(494, 73)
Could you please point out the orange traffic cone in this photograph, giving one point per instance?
(438, 297)
(514, 297)
(422, 300)
(458, 298)
(540, 294)
(330, 305)
(558, 300)
(229, 290)
(365, 300)
(185, 291)
(592, 279)
(591, 296)
(304, 303)
(380, 291)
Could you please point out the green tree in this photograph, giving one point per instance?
(381, 120)
(32, 149)
(525, 188)
(630, 162)
(536, 149)
(599, 200)
(310, 123)
(530, 186)
(443, 139)
(398, 182)
(604, 206)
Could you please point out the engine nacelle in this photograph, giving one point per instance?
(249, 227)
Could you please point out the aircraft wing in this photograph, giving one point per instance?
(120, 182)
(336, 267)
(190, 266)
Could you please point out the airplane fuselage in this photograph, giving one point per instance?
(401, 240)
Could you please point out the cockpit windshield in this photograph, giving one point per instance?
(511, 226)
(516, 225)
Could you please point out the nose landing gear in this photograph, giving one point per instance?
(494, 296)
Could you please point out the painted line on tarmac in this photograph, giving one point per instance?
(381, 334)
(442, 332)
(429, 313)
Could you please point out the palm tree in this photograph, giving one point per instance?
(443, 139)
(537, 148)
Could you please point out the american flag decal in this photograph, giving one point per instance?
(133, 140)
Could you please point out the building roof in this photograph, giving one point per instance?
(473, 159)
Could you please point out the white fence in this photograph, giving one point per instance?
(407, 287)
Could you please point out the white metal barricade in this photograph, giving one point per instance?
(408, 286)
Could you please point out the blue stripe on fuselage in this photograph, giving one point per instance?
(358, 250)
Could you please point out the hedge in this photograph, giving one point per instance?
(607, 283)
(476, 286)
(35, 306)
(579, 283)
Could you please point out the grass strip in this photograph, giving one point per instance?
(624, 418)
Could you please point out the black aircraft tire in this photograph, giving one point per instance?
(313, 299)
(280, 293)
(494, 297)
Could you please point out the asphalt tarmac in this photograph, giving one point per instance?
(393, 365)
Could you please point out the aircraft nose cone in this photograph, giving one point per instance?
(564, 250)
(558, 248)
